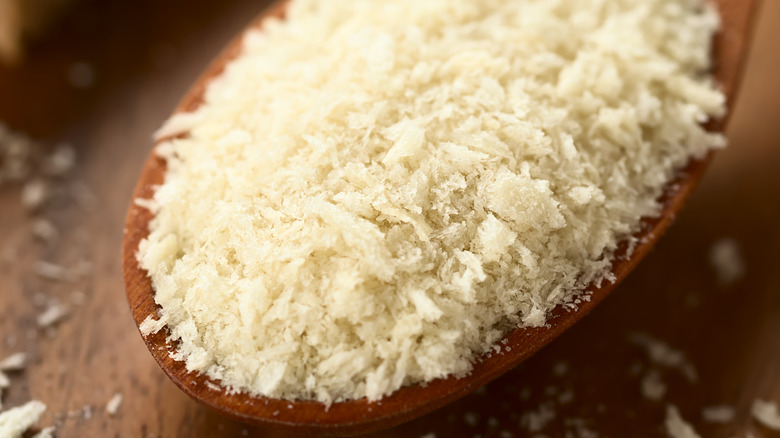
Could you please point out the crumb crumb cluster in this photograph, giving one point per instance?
(373, 194)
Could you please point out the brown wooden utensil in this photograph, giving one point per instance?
(360, 416)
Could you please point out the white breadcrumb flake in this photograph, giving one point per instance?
(44, 230)
(113, 405)
(676, 426)
(53, 272)
(14, 362)
(766, 413)
(373, 193)
(60, 161)
(148, 204)
(566, 397)
(580, 429)
(180, 123)
(718, 414)
(662, 354)
(35, 193)
(29, 163)
(471, 418)
(16, 155)
(560, 368)
(14, 422)
(52, 315)
(652, 386)
(45, 433)
(150, 325)
(726, 259)
(535, 421)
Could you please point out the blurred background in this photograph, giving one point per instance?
(95, 78)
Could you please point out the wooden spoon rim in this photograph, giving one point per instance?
(359, 416)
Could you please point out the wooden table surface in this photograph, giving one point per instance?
(145, 54)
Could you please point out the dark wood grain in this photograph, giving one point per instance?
(360, 416)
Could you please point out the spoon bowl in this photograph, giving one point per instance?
(360, 416)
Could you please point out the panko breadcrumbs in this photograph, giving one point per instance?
(373, 193)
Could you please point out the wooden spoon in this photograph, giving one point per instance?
(360, 416)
